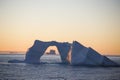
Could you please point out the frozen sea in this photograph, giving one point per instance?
(53, 70)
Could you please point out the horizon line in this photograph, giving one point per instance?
(24, 52)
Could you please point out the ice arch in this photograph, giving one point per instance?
(39, 47)
(79, 54)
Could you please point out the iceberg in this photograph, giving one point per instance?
(34, 53)
(82, 55)
(70, 53)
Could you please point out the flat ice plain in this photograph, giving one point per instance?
(51, 69)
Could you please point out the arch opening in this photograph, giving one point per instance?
(51, 55)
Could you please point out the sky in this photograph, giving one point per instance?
(93, 23)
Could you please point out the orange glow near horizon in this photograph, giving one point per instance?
(92, 23)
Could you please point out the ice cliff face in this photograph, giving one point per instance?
(85, 56)
(80, 55)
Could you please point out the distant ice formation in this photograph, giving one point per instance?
(80, 55)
